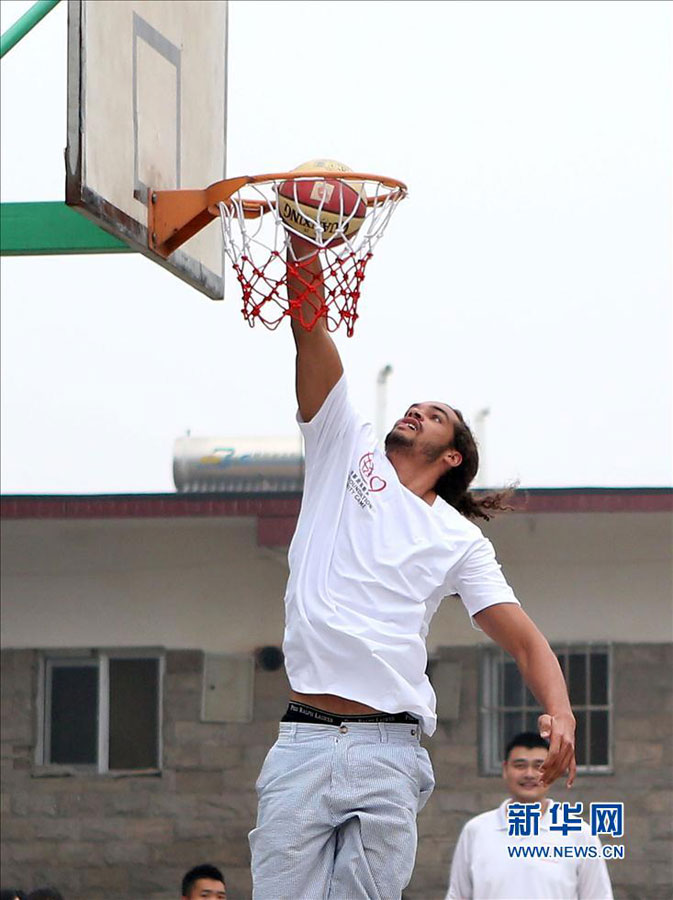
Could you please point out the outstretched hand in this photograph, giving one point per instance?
(560, 732)
(302, 248)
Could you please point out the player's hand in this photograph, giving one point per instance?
(560, 732)
(302, 248)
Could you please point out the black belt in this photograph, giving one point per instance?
(300, 712)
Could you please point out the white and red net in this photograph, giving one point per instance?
(259, 243)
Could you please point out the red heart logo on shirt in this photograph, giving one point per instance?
(377, 484)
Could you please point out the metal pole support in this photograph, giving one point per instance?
(26, 23)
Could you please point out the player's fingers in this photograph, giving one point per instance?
(555, 765)
(547, 730)
(551, 767)
(544, 725)
(572, 770)
(559, 763)
(550, 773)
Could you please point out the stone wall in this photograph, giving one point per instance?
(121, 837)
(642, 780)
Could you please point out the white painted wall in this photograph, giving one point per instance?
(190, 583)
(581, 577)
(204, 582)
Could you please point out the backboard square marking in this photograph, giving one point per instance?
(156, 61)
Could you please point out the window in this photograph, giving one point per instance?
(508, 707)
(101, 710)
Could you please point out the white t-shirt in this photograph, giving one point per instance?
(482, 868)
(370, 562)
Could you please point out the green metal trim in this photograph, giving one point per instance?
(26, 23)
(32, 229)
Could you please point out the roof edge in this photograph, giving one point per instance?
(273, 504)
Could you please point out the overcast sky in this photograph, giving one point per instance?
(528, 272)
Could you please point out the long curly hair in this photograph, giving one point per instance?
(454, 485)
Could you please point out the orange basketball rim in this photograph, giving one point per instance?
(261, 214)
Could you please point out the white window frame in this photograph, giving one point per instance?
(100, 659)
(490, 707)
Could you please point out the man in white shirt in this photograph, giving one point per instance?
(489, 863)
(382, 537)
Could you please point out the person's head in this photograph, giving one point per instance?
(45, 893)
(524, 756)
(204, 881)
(11, 894)
(440, 437)
(427, 430)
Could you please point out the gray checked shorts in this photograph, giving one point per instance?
(337, 812)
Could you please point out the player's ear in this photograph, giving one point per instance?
(453, 457)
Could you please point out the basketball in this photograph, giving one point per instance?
(337, 206)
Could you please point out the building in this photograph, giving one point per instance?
(141, 687)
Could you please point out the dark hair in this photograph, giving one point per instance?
(9, 894)
(203, 871)
(45, 893)
(528, 739)
(453, 485)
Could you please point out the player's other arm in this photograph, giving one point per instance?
(508, 625)
(318, 366)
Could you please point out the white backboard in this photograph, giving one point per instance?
(147, 109)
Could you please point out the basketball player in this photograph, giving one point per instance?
(381, 539)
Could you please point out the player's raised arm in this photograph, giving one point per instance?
(509, 626)
(318, 362)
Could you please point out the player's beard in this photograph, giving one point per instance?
(432, 452)
(400, 440)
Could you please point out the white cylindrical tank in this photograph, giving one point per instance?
(238, 464)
